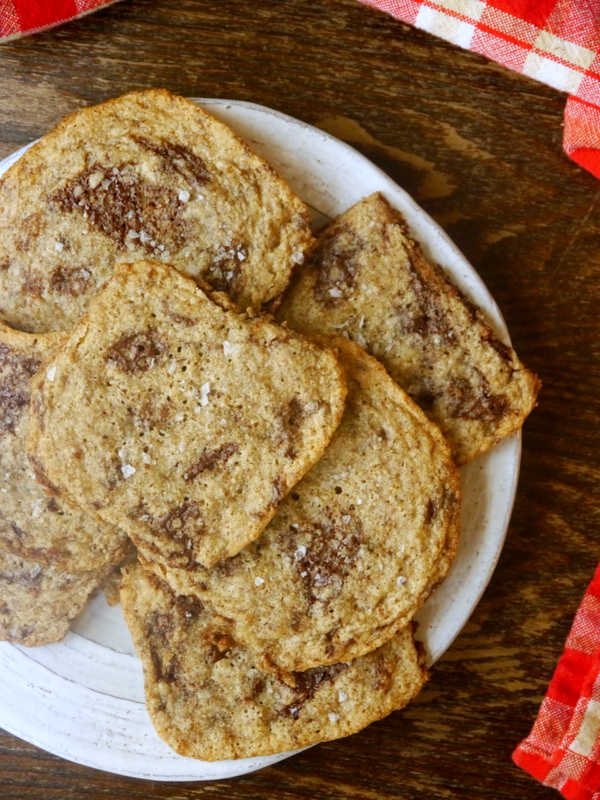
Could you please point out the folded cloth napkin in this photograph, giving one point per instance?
(554, 41)
(20, 17)
(563, 748)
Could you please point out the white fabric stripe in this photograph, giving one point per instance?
(585, 740)
(578, 56)
(473, 9)
(449, 28)
(561, 77)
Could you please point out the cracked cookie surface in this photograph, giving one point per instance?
(32, 525)
(178, 419)
(146, 175)
(357, 545)
(369, 280)
(208, 698)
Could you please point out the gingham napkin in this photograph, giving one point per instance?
(20, 17)
(563, 748)
(554, 41)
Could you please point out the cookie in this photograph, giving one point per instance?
(32, 525)
(209, 699)
(178, 419)
(147, 175)
(38, 603)
(370, 281)
(358, 544)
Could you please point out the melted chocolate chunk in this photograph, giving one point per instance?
(431, 511)
(188, 607)
(30, 578)
(279, 491)
(383, 677)
(336, 264)
(307, 684)
(15, 372)
(465, 401)
(210, 459)
(224, 273)
(290, 418)
(217, 644)
(332, 549)
(73, 281)
(169, 674)
(136, 352)
(424, 315)
(159, 627)
(33, 285)
(182, 522)
(124, 207)
(178, 158)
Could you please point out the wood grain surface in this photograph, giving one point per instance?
(480, 149)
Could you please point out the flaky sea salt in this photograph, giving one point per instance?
(35, 571)
(59, 246)
(37, 508)
(227, 348)
(204, 392)
(401, 580)
(127, 470)
(133, 234)
(335, 292)
(342, 697)
(146, 458)
(258, 581)
(333, 717)
(346, 519)
(359, 502)
(298, 257)
(300, 553)
(51, 373)
(184, 195)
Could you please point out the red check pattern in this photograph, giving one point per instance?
(563, 748)
(554, 41)
(20, 17)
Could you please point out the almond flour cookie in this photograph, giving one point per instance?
(370, 281)
(38, 603)
(208, 698)
(33, 525)
(147, 175)
(358, 544)
(178, 419)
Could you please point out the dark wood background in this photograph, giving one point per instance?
(480, 149)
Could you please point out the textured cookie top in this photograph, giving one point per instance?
(358, 544)
(209, 699)
(178, 419)
(148, 175)
(33, 525)
(369, 280)
(38, 603)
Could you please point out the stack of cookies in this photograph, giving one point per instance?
(284, 490)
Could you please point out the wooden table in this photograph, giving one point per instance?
(480, 149)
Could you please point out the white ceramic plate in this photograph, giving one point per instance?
(83, 699)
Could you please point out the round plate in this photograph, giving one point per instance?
(83, 698)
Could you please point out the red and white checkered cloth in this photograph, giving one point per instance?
(563, 748)
(20, 17)
(554, 41)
